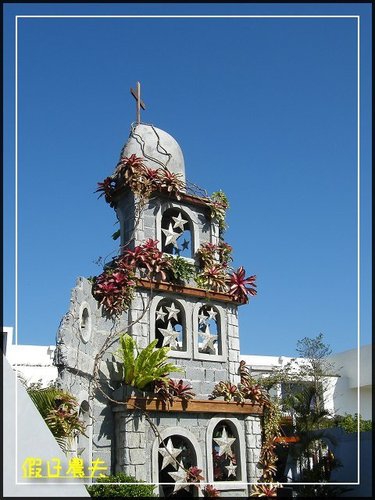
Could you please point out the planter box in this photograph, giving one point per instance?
(195, 405)
(287, 439)
(187, 290)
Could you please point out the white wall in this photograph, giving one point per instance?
(346, 390)
(33, 362)
(27, 435)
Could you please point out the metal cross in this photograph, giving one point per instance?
(140, 104)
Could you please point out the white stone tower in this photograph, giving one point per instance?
(200, 326)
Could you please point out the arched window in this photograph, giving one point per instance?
(225, 452)
(209, 331)
(170, 325)
(176, 233)
(85, 322)
(175, 454)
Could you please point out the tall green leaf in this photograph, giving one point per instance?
(150, 364)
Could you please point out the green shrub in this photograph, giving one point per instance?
(182, 270)
(124, 488)
(349, 423)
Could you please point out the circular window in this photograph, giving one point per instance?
(85, 322)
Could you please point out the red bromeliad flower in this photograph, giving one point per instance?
(106, 188)
(131, 161)
(265, 490)
(154, 177)
(238, 286)
(211, 491)
(135, 257)
(213, 278)
(113, 289)
(194, 475)
(180, 390)
(151, 244)
(171, 182)
(148, 256)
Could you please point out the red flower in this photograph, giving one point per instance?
(106, 188)
(238, 285)
(210, 491)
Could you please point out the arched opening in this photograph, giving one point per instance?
(225, 453)
(170, 325)
(177, 233)
(209, 331)
(85, 322)
(176, 454)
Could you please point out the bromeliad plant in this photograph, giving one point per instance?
(60, 410)
(170, 182)
(210, 491)
(213, 277)
(209, 254)
(149, 257)
(265, 490)
(114, 288)
(141, 369)
(215, 273)
(106, 189)
(241, 287)
(219, 204)
(271, 430)
(142, 180)
(172, 389)
(228, 391)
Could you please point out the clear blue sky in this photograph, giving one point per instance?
(265, 109)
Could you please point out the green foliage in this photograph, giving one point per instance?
(116, 235)
(124, 488)
(149, 365)
(219, 204)
(181, 269)
(60, 411)
(349, 423)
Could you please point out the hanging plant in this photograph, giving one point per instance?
(239, 288)
(209, 253)
(114, 288)
(225, 253)
(219, 204)
(106, 189)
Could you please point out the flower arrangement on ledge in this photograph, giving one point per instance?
(143, 181)
(216, 274)
(114, 287)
